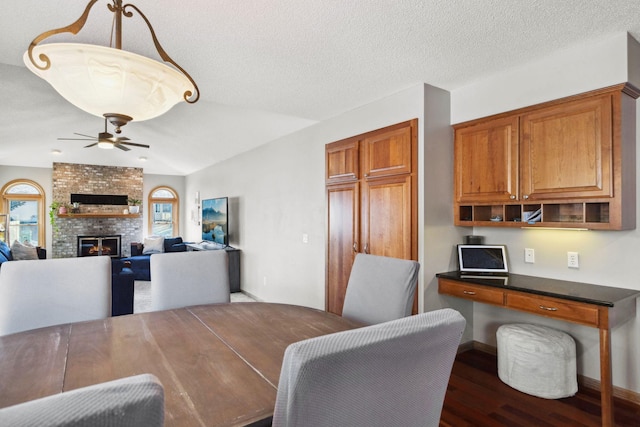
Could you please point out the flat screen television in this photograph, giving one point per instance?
(215, 220)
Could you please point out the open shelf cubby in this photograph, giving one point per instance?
(577, 215)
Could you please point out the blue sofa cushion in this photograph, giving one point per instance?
(5, 251)
(141, 266)
(140, 263)
(174, 245)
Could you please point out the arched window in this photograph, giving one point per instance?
(163, 212)
(23, 201)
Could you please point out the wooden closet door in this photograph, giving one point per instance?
(343, 202)
(387, 224)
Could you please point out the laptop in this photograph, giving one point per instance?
(483, 262)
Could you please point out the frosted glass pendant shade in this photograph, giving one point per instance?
(102, 80)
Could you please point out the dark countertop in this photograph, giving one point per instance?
(575, 291)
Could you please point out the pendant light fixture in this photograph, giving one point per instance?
(111, 82)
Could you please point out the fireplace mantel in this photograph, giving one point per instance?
(99, 215)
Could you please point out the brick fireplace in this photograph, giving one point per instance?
(96, 220)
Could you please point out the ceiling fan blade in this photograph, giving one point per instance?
(91, 145)
(123, 148)
(122, 138)
(82, 134)
(76, 139)
(135, 144)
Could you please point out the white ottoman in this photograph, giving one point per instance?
(537, 360)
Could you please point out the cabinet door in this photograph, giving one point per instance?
(486, 161)
(343, 229)
(387, 226)
(566, 150)
(342, 161)
(389, 152)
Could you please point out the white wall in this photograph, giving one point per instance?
(278, 193)
(606, 257)
(567, 72)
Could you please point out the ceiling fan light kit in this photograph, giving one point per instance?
(110, 82)
(106, 140)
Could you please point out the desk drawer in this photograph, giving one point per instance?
(553, 307)
(478, 293)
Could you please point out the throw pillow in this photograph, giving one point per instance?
(23, 251)
(5, 250)
(153, 245)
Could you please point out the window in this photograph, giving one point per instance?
(163, 212)
(23, 201)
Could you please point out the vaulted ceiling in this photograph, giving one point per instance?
(266, 68)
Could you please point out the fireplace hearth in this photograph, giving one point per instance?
(99, 245)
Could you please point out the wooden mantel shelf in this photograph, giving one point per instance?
(99, 215)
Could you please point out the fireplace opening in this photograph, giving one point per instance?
(99, 245)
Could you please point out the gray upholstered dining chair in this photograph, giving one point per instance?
(39, 293)
(390, 374)
(129, 402)
(182, 279)
(380, 289)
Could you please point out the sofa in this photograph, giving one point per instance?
(7, 255)
(122, 287)
(140, 257)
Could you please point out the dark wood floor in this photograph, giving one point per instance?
(476, 397)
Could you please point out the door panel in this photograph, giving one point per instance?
(388, 153)
(342, 161)
(343, 226)
(486, 161)
(566, 150)
(387, 205)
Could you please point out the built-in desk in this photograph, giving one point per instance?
(597, 306)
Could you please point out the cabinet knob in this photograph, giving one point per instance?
(366, 174)
(366, 248)
(526, 196)
(512, 197)
(355, 247)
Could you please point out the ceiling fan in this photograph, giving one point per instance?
(105, 140)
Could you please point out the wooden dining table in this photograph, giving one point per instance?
(219, 363)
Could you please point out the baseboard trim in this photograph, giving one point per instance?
(250, 295)
(586, 382)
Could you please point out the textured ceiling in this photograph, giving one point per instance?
(267, 68)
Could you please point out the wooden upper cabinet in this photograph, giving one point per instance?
(342, 161)
(389, 152)
(566, 151)
(570, 161)
(486, 161)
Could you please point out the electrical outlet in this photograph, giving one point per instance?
(529, 255)
(305, 238)
(573, 260)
